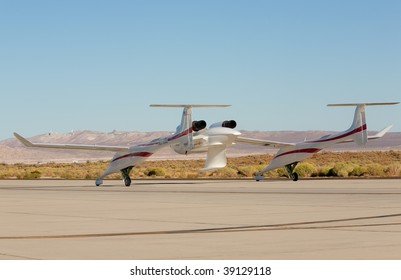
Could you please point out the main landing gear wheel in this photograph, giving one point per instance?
(127, 181)
(98, 182)
(290, 171)
(125, 173)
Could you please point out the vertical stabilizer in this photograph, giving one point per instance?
(184, 131)
(186, 119)
(358, 129)
(186, 127)
(359, 126)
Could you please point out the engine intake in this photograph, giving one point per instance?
(198, 125)
(229, 124)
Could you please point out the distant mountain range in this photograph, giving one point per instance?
(12, 151)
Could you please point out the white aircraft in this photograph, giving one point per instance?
(290, 154)
(190, 137)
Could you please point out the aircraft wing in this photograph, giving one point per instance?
(28, 143)
(261, 142)
(378, 135)
(381, 133)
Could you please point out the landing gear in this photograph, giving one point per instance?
(98, 182)
(127, 181)
(290, 170)
(125, 173)
(259, 178)
(294, 176)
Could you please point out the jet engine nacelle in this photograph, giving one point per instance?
(198, 125)
(229, 124)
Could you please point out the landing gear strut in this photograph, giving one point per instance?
(125, 173)
(290, 170)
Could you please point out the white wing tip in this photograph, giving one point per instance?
(384, 131)
(23, 140)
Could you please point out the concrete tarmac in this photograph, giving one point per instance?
(272, 219)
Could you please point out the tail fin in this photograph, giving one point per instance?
(358, 128)
(186, 119)
(185, 127)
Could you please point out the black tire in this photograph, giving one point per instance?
(295, 176)
(127, 182)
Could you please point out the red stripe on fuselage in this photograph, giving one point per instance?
(138, 154)
(185, 132)
(315, 150)
(308, 151)
(356, 130)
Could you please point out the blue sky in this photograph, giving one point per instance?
(75, 65)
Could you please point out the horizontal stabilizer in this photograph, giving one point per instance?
(190, 105)
(28, 143)
(366, 104)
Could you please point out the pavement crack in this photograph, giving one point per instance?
(283, 226)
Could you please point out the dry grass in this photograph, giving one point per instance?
(326, 164)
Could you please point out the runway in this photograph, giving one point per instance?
(272, 219)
